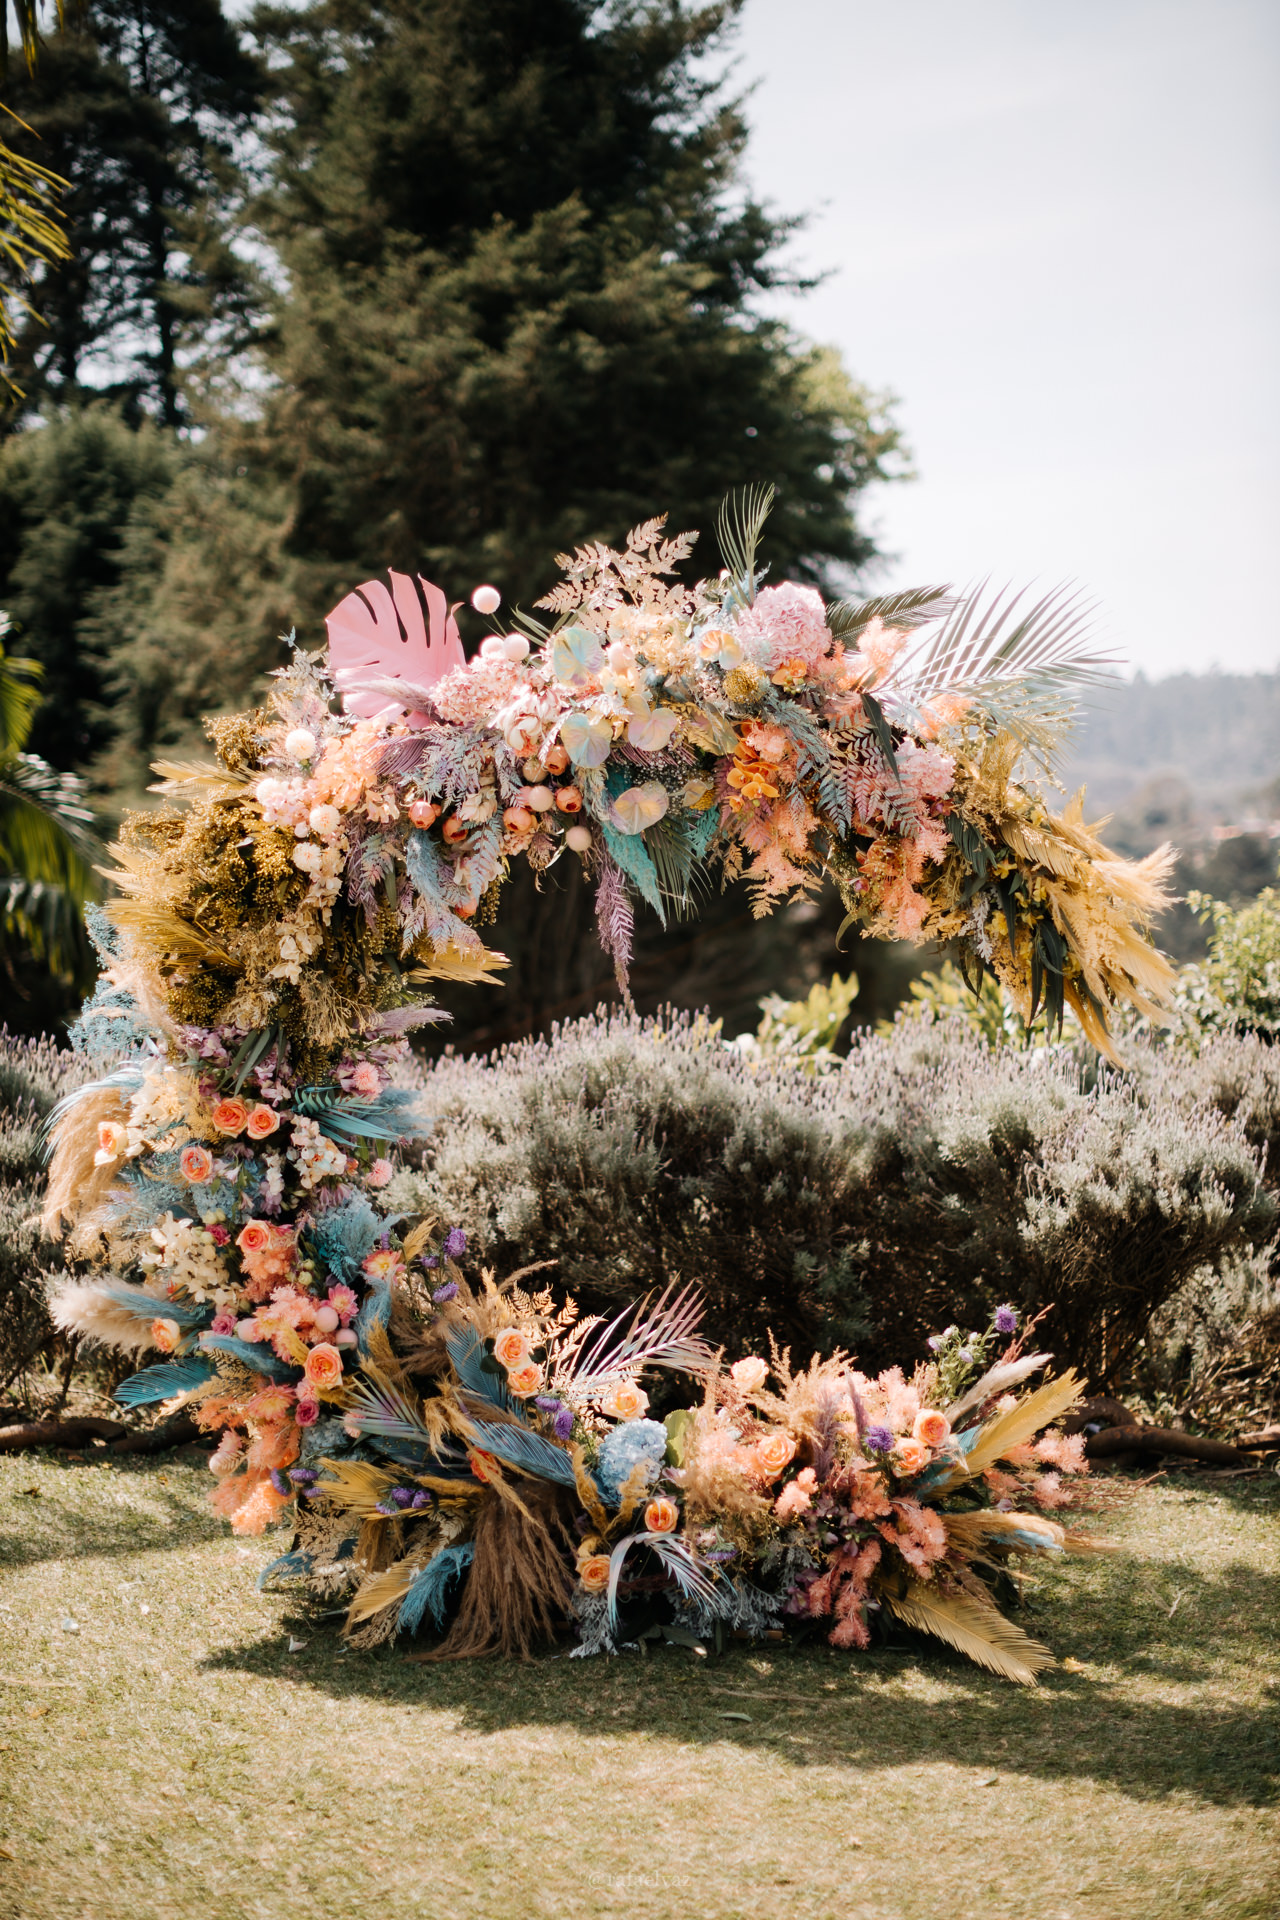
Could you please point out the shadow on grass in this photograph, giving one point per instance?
(57, 1525)
(1113, 1723)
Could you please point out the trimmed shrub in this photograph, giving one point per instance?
(921, 1181)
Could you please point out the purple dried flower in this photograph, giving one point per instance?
(432, 1260)
(966, 1356)
(878, 1440)
(934, 1342)
(303, 1476)
(387, 1507)
(1006, 1320)
(420, 1499)
(281, 1482)
(547, 1403)
(403, 1496)
(446, 1292)
(455, 1244)
(562, 1425)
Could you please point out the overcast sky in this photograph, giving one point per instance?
(1052, 231)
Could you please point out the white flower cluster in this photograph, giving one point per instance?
(315, 1157)
(188, 1255)
(164, 1105)
(299, 938)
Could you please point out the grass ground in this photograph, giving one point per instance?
(167, 1753)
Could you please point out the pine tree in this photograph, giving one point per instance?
(135, 104)
(521, 296)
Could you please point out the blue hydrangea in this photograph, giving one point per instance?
(622, 1450)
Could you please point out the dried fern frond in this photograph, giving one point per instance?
(194, 776)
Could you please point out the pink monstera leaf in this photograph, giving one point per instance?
(378, 637)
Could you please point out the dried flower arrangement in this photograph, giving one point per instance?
(470, 1449)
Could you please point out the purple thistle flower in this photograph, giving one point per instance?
(879, 1440)
(562, 1426)
(432, 1260)
(446, 1292)
(1006, 1320)
(403, 1496)
(303, 1476)
(455, 1244)
(281, 1482)
(420, 1499)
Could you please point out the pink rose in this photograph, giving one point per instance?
(307, 1411)
(223, 1323)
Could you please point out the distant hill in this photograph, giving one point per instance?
(1194, 759)
(1219, 733)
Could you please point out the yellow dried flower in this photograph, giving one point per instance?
(743, 685)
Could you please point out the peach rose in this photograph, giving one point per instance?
(254, 1237)
(910, 1456)
(196, 1164)
(112, 1139)
(625, 1401)
(261, 1122)
(774, 1453)
(661, 1515)
(749, 1375)
(511, 1348)
(165, 1334)
(230, 1116)
(525, 1380)
(932, 1429)
(324, 1366)
(593, 1572)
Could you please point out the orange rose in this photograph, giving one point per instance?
(261, 1122)
(254, 1237)
(511, 1348)
(932, 1429)
(593, 1572)
(910, 1456)
(773, 1454)
(324, 1366)
(749, 1375)
(626, 1401)
(525, 1380)
(196, 1164)
(165, 1334)
(230, 1116)
(661, 1515)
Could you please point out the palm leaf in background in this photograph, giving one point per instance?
(46, 847)
(32, 233)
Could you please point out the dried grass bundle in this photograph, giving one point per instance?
(519, 1587)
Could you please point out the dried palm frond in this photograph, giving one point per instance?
(389, 1412)
(997, 1379)
(453, 963)
(987, 1638)
(355, 1485)
(661, 1335)
(193, 776)
(1004, 1430)
(902, 612)
(739, 524)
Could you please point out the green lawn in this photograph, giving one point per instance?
(172, 1758)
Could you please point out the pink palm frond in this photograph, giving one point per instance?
(661, 1335)
(378, 635)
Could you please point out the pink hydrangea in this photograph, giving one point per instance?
(787, 622)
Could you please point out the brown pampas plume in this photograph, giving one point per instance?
(519, 1587)
(76, 1186)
